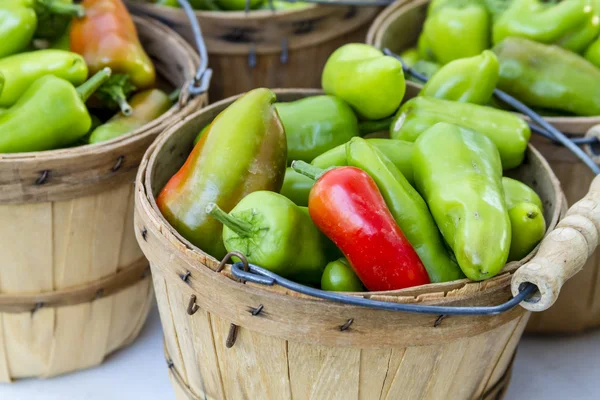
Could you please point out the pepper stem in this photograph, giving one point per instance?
(366, 127)
(58, 7)
(241, 228)
(91, 85)
(307, 169)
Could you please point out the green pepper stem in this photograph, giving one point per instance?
(58, 7)
(91, 85)
(366, 127)
(241, 228)
(307, 169)
(174, 95)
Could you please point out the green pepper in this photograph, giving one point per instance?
(410, 56)
(340, 277)
(571, 24)
(408, 209)
(507, 131)
(283, 5)
(296, 187)
(397, 151)
(592, 54)
(455, 29)
(459, 174)
(361, 75)
(147, 106)
(21, 70)
(426, 68)
(243, 151)
(548, 76)
(468, 80)
(63, 42)
(316, 124)
(237, 5)
(274, 233)
(196, 4)
(526, 218)
(56, 124)
(20, 20)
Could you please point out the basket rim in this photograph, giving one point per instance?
(170, 235)
(135, 135)
(575, 125)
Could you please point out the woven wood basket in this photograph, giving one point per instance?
(266, 48)
(578, 309)
(229, 340)
(74, 285)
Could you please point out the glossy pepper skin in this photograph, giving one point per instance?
(455, 29)
(21, 70)
(339, 277)
(408, 209)
(507, 131)
(296, 187)
(346, 205)
(274, 233)
(316, 124)
(397, 151)
(459, 174)
(107, 37)
(467, 80)
(571, 24)
(249, 132)
(147, 106)
(361, 75)
(61, 117)
(526, 215)
(21, 20)
(548, 76)
(592, 53)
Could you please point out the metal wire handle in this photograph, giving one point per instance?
(201, 81)
(546, 130)
(256, 274)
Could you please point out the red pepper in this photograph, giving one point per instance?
(346, 205)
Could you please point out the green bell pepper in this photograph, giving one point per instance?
(273, 232)
(243, 151)
(548, 76)
(57, 124)
(468, 80)
(408, 209)
(571, 24)
(507, 131)
(426, 68)
(410, 56)
(459, 174)
(237, 5)
(592, 54)
(316, 124)
(20, 20)
(21, 70)
(455, 29)
(296, 187)
(340, 277)
(147, 106)
(361, 75)
(526, 218)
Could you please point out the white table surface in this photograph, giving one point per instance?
(545, 368)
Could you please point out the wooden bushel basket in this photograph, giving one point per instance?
(263, 48)
(228, 340)
(398, 28)
(74, 285)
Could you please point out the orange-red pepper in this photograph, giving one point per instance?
(107, 37)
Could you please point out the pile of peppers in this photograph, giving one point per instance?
(548, 51)
(237, 5)
(310, 190)
(48, 50)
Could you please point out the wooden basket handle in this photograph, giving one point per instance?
(563, 252)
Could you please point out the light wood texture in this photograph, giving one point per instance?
(295, 349)
(74, 285)
(398, 27)
(309, 36)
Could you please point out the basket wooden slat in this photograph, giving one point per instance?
(306, 36)
(67, 242)
(296, 347)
